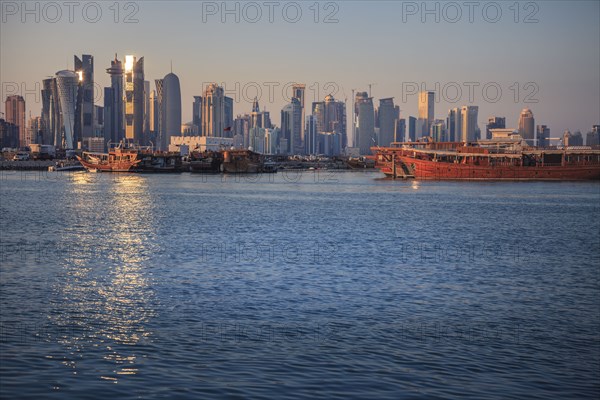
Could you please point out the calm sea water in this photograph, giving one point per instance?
(319, 285)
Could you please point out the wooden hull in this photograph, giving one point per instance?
(117, 166)
(431, 170)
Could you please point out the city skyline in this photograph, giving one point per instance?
(536, 69)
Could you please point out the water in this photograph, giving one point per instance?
(324, 285)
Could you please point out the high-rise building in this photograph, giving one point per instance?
(542, 136)
(197, 112)
(260, 119)
(241, 130)
(494, 123)
(593, 138)
(527, 126)
(310, 135)
(469, 123)
(213, 111)
(438, 131)
(116, 128)
(84, 67)
(109, 117)
(67, 83)
(34, 131)
(9, 134)
(291, 124)
(388, 114)
(412, 129)
(153, 111)
(159, 99)
(14, 109)
(298, 91)
(147, 114)
(134, 99)
(400, 130)
(365, 122)
(228, 117)
(99, 122)
(171, 110)
(426, 111)
(454, 125)
(51, 118)
(330, 116)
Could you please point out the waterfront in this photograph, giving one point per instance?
(297, 284)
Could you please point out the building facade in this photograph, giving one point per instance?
(14, 109)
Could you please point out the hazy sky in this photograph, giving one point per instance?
(553, 59)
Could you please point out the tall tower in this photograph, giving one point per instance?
(310, 135)
(159, 106)
(388, 114)
(84, 66)
(527, 126)
(171, 109)
(14, 108)
(365, 122)
(291, 124)
(134, 99)
(115, 71)
(298, 91)
(67, 83)
(469, 123)
(494, 123)
(213, 111)
(426, 111)
(197, 113)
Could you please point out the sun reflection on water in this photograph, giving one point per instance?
(106, 294)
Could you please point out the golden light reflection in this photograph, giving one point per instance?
(106, 294)
(415, 184)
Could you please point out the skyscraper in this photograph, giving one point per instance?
(291, 124)
(51, 119)
(426, 111)
(197, 113)
(259, 119)
(67, 83)
(147, 110)
(527, 126)
(310, 135)
(213, 111)
(153, 111)
(159, 100)
(469, 123)
(134, 99)
(494, 123)
(542, 136)
(14, 107)
(116, 110)
(388, 114)
(438, 131)
(412, 128)
(171, 110)
(330, 116)
(228, 117)
(454, 125)
(34, 131)
(84, 66)
(365, 122)
(400, 130)
(298, 91)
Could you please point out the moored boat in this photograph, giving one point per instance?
(486, 160)
(116, 160)
(245, 162)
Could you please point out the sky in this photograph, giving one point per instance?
(542, 55)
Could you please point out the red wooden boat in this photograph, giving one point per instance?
(487, 160)
(116, 160)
